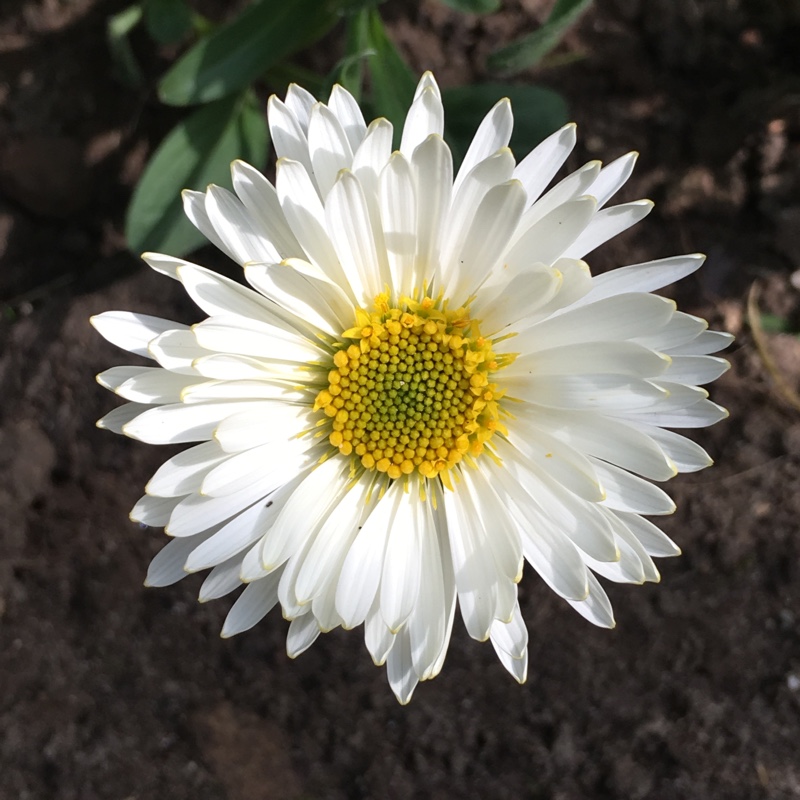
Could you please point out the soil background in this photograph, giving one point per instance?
(110, 691)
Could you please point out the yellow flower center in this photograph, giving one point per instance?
(411, 389)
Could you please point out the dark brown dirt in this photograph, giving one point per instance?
(114, 692)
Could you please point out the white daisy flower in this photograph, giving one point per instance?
(423, 389)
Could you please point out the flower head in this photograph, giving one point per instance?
(423, 388)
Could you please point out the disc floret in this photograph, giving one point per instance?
(412, 389)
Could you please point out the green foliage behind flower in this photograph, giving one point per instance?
(217, 73)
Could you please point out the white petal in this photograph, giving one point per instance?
(499, 527)
(238, 534)
(261, 425)
(495, 220)
(627, 492)
(360, 576)
(629, 567)
(183, 473)
(596, 607)
(347, 111)
(351, 232)
(197, 513)
(427, 81)
(612, 178)
(250, 566)
(520, 294)
(607, 224)
(575, 185)
(288, 136)
(304, 512)
(242, 235)
(299, 102)
(646, 277)
(428, 628)
(372, 155)
(253, 604)
(177, 351)
(425, 117)
(598, 357)
(624, 316)
(552, 236)
(400, 669)
(156, 385)
(119, 417)
(687, 455)
(306, 216)
(113, 378)
(279, 459)
(303, 632)
(612, 440)
(323, 606)
(260, 199)
(551, 507)
(546, 549)
(167, 567)
(695, 370)
(153, 511)
(400, 578)
(550, 455)
(492, 171)
(377, 636)
(436, 511)
(210, 391)
(304, 297)
(235, 334)
(557, 561)
(329, 148)
(539, 167)
(132, 332)
(680, 329)
(576, 281)
(229, 367)
(511, 637)
(493, 134)
(213, 293)
(704, 343)
(699, 415)
(222, 580)
(627, 539)
(517, 667)
(194, 206)
(652, 538)
(398, 210)
(324, 559)
(242, 531)
(432, 164)
(177, 423)
(613, 394)
(474, 568)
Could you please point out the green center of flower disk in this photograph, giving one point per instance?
(412, 389)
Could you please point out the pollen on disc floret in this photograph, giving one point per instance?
(412, 389)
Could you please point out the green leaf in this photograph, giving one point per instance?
(350, 69)
(236, 54)
(473, 6)
(349, 73)
(126, 67)
(537, 113)
(197, 151)
(167, 21)
(391, 79)
(774, 323)
(530, 49)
